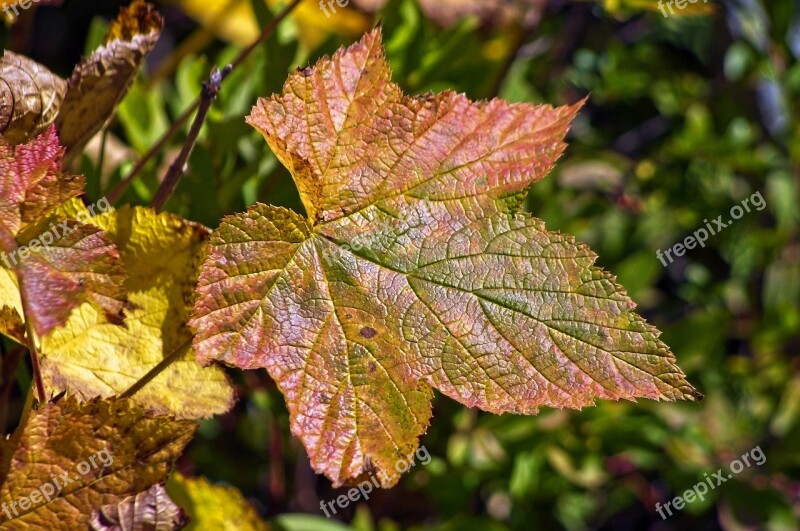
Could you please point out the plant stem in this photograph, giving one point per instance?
(268, 30)
(114, 195)
(29, 336)
(120, 188)
(155, 371)
(8, 244)
(175, 172)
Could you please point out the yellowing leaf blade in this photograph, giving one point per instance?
(123, 450)
(212, 506)
(92, 356)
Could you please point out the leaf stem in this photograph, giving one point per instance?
(114, 195)
(155, 371)
(31, 340)
(8, 244)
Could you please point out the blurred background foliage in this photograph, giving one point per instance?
(687, 115)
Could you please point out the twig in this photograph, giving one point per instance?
(175, 172)
(114, 195)
(155, 371)
(268, 30)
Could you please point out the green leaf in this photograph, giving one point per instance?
(414, 271)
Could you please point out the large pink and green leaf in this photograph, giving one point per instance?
(414, 271)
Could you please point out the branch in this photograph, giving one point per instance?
(268, 30)
(175, 172)
(114, 195)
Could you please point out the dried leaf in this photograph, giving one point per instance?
(91, 356)
(414, 272)
(73, 458)
(99, 82)
(30, 97)
(56, 264)
(152, 510)
(213, 506)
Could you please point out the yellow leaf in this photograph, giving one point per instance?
(234, 21)
(11, 323)
(211, 507)
(73, 458)
(91, 357)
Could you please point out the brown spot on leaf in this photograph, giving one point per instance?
(368, 332)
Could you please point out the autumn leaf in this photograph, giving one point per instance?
(73, 458)
(151, 509)
(11, 323)
(414, 271)
(91, 356)
(30, 97)
(49, 265)
(213, 506)
(99, 82)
